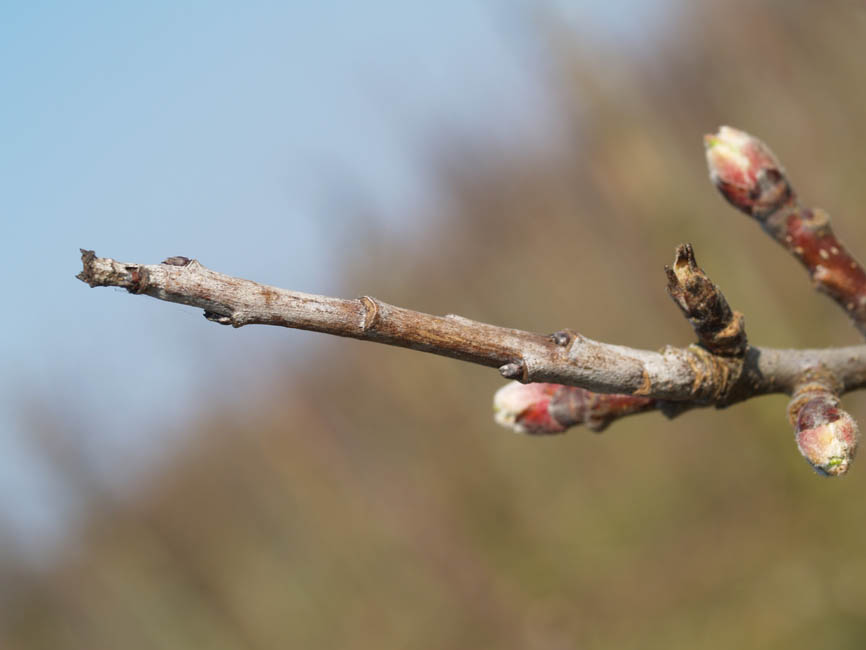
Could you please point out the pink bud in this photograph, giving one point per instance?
(826, 436)
(524, 408)
(746, 172)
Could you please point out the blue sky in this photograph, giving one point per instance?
(221, 131)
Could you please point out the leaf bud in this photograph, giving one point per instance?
(826, 435)
(746, 172)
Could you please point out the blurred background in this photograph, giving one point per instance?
(168, 483)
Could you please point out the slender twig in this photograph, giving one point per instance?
(752, 179)
(691, 374)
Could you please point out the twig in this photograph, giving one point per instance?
(751, 178)
(692, 374)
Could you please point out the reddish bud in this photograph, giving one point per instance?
(525, 408)
(746, 172)
(827, 436)
(553, 408)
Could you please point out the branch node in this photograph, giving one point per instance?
(715, 376)
(138, 279)
(563, 337)
(371, 312)
(515, 370)
(241, 317)
(814, 381)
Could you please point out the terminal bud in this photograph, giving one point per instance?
(827, 436)
(746, 172)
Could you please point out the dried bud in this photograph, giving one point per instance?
(826, 436)
(746, 172)
(525, 408)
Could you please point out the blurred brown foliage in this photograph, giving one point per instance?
(366, 499)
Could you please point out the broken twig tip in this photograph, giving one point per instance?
(685, 255)
(86, 274)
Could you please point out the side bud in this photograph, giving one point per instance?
(746, 172)
(552, 408)
(826, 435)
(525, 408)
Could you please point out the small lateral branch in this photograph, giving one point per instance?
(751, 178)
(720, 330)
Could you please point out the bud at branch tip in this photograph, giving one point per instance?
(746, 172)
(827, 436)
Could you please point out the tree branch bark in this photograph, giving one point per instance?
(693, 374)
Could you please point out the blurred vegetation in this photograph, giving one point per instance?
(365, 499)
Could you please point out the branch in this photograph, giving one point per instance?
(692, 375)
(752, 179)
(566, 379)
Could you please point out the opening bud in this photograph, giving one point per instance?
(552, 408)
(746, 172)
(525, 408)
(827, 436)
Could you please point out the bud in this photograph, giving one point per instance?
(525, 408)
(826, 436)
(553, 408)
(746, 172)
